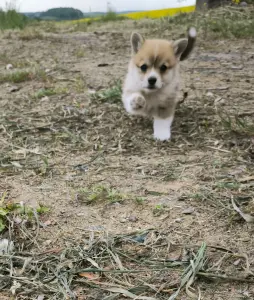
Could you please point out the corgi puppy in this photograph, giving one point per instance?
(152, 83)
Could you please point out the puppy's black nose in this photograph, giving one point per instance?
(152, 81)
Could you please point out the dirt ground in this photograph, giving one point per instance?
(55, 147)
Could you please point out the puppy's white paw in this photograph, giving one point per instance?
(138, 102)
(162, 129)
(163, 135)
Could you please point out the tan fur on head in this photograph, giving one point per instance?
(155, 53)
(152, 81)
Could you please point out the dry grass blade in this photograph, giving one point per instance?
(224, 277)
(128, 294)
(190, 272)
(247, 217)
(57, 274)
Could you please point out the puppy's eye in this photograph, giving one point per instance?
(163, 68)
(143, 68)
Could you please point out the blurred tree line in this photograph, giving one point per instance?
(62, 13)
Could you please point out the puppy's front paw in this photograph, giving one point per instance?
(163, 135)
(162, 129)
(138, 102)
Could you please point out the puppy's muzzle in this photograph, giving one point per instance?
(151, 82)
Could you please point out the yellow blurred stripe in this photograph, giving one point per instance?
(151, 14)
(160, 12)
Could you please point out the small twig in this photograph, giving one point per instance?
(90, 161)
(92, 270)
(56, 250)
(219, 149)
(222, 88)
(225, 277)
(247, 217)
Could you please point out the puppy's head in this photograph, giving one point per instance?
(155, 61)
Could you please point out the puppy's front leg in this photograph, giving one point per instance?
(162, 128)
(134, 103)
(163, 121)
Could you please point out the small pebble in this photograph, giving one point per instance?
(245, 239)
(116, 204)
(243, 4)
(133, 218)
(219, 101)
(47, 223)
(14, 89)
(237, 262)
(47, 242)
(209, 94)
(154, 172)
(17, 220)
(178, 220)
(46, 98)
(6, 246)
(80, 214)
(188, 211)
(9, 67)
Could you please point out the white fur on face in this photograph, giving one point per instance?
(155, 74)
(133, 80)
(170, 77)
(162, 128)
(142, 81)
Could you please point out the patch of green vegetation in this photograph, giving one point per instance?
(11, 19)
(9, 208)
(4, 58)
(49, 26)
(222, 22)
(44, 168)
(21, 64)
(228, 28)
(112, 94)
(80, 84)
(42, 209)
(111, 16)
(139, 200)
(15, 77)
(236, 124)
(170, 175)
(81, 26)
(226, 185)
(29, 34)
(159, 209)
(100, 193)
(80, 53)
(198, 196)
(40, 74)
(46, 92)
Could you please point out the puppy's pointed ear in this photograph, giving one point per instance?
(180, 46)
(136, 42)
